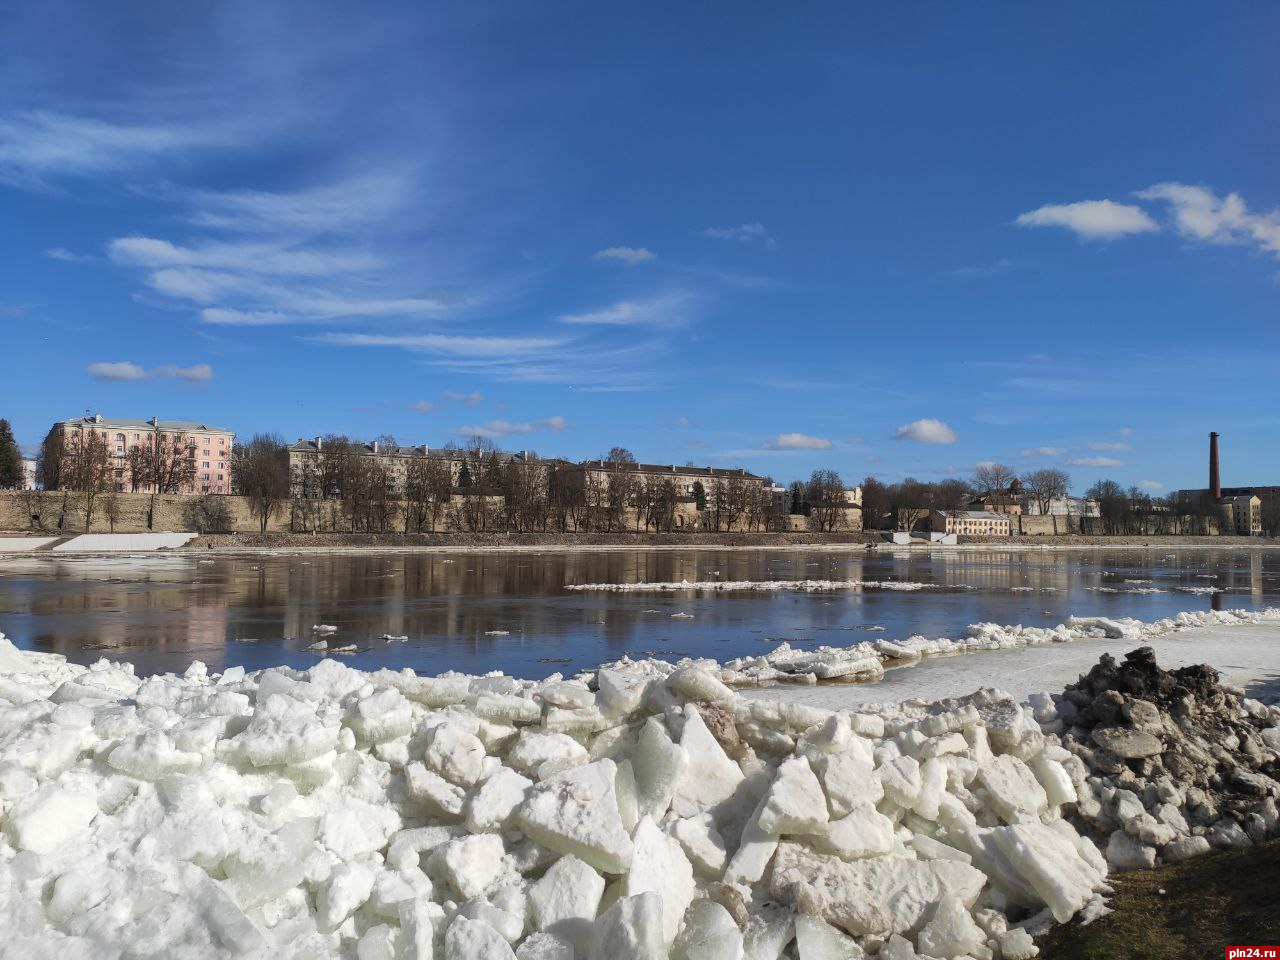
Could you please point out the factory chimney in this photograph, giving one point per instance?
(1215, 479)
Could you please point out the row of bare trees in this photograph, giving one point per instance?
(82, 464)
(341, 487)
(906, 505)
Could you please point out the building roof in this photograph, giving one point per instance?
(116, 423)
(977, 515)
(439, 453)
(670, 469)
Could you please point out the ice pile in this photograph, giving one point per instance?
(867, 660)
(1179, 764)
(642, 812)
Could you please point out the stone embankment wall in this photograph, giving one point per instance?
(52, 513)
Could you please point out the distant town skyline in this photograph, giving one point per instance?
(889, 241)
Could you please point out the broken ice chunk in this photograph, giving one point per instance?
(577, 812)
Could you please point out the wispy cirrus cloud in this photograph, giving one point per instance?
(68, 256)
(743, 233)
(446, 345)
(667, 310)
(37, 146)
(123, 371)
(1108, 445)
(1095, 462)
(472, 399)
(496, 429)
(1044, 452)
(1091, 219)
(981, 271)
(1150, 485)
(628, 255)
(926, 431)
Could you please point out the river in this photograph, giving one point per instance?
(513, 611)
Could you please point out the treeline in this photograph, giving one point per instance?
(476, 488)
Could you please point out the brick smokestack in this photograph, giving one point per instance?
(1215, 478)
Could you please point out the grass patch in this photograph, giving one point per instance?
(1208, 902)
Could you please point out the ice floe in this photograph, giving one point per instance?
(757, 586)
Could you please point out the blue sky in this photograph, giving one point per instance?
(892, 239)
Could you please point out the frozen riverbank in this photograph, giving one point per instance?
(1247, 654)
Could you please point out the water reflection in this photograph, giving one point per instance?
(510, 611)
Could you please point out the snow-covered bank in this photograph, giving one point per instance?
(1247, 654)
(869, 659)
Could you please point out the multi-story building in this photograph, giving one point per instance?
(208, 447)
(1243, 513)
(972, 523)
(1064, 506)
(28, 474)
(732, 492)
(306, 474)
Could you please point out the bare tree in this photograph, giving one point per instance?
(621, 489)
(825, 494)
(85, 467)
(162, 463)
(111, 507)
(1046, 485)
(207, 513)
(260, 472)
(659, 496)
(992, 480)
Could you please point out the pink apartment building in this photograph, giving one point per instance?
(210, 447)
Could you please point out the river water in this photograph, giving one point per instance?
(512, 611)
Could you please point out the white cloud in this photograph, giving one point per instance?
(1092, 219)
(1044, 452)
(471, 399)
(926, 431)
(36, 145)
(423, 406)
(123, 371)
(797, 441)
(249, 257)
(658, 311)
(627, 255)
(439, 343)
(745, 233)
(1108, 445)
(1095, 462)
(66, 256)
(1150, 485)
(1201, 214)
(496, 429)
(1125, 431)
